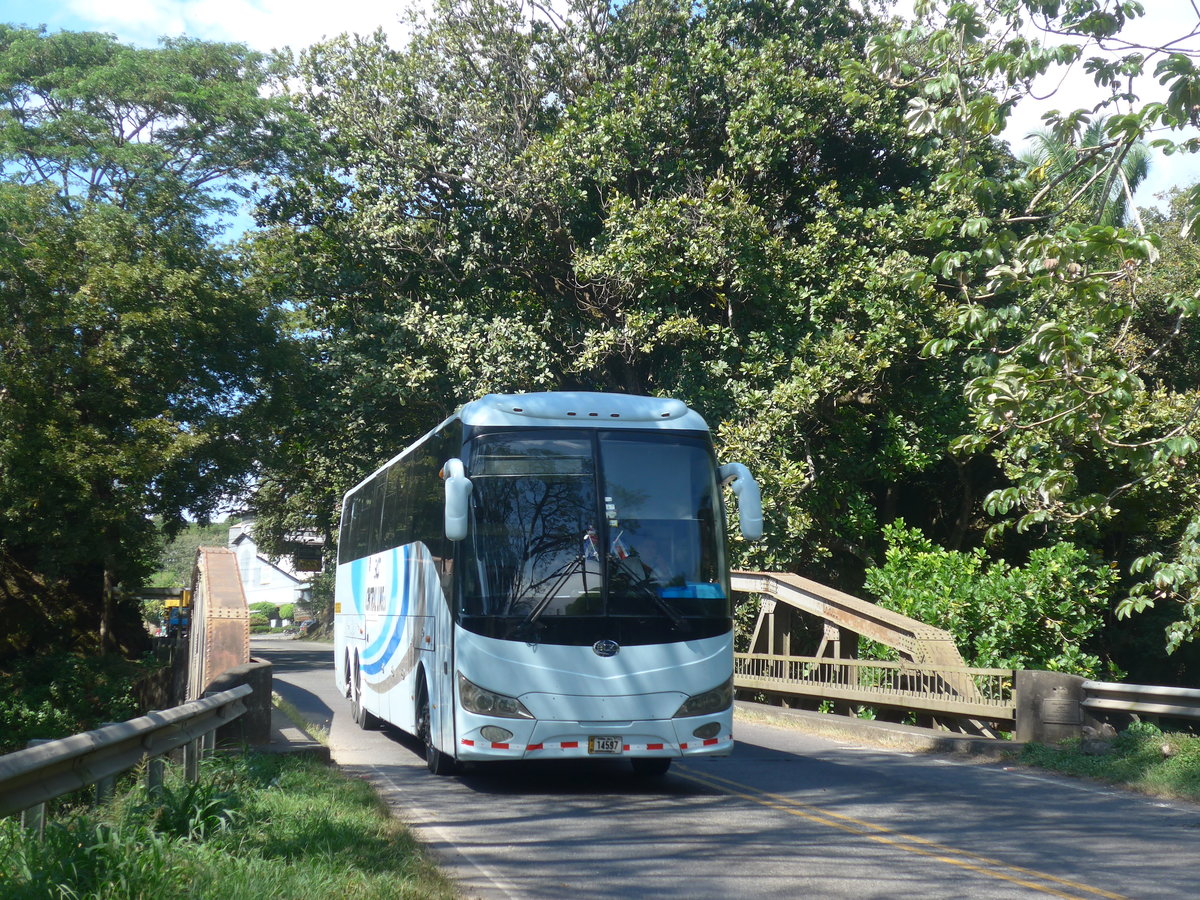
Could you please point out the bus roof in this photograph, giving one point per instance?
(582, 409)
(579, 409)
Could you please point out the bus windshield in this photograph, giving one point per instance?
(615, 523)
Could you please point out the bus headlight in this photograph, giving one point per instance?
(488, 703)
(717, 700)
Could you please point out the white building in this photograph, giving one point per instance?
(284, 580)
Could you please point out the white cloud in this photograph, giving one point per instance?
(269, 24)
(263, 24)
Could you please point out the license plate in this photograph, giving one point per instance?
(604, 744)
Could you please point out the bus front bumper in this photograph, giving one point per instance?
(549, 739)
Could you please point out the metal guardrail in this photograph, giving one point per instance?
(1143, 699)
(30, 777)
(948, 690)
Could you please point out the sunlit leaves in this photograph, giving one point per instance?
(1063, 334)
(133, 359)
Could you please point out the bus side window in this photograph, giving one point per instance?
(428, 494)
(346, 532)
(397, 518)
(366, 515)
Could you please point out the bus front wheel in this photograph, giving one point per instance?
(439, 763)
(650, 766)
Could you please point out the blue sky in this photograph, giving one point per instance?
(268, 24)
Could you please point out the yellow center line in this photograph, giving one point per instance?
(880, 834)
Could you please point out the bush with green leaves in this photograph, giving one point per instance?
(61, 694)
(1042, 615)
(287, 611)
(265, 608)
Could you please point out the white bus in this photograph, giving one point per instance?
(544, 576)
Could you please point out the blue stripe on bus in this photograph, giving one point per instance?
(357, 569)
(398, 622)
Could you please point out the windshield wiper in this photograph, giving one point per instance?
(543, 604)
(643, 585)
(667, 608)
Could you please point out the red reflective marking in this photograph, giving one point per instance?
(712, 741)
(626, 747)
(569, 745)
(683, 746)
(497, 746)
(468, 743)
(654, 746)
(535, 747)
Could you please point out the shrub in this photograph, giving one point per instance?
(287, 611)
(266, 609)
(1037, 616)
(57, 695)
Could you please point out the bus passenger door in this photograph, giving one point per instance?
(443, 664)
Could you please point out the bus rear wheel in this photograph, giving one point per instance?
(436, 761)
(650, 766)
(365, 720)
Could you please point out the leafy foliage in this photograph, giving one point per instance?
(271, 826)
(57, 695)
(798, 218)
(646, 198)
(1042, 615)
(178, 556)
(133, 364)
(1052, 310)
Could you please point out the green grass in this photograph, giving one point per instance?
(318, 733)
(255, 825)
(1135, 759)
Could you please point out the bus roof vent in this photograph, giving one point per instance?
(583, 404)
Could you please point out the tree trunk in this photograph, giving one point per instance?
(107, 608)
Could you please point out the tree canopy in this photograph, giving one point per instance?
(133, 363)
(797, 216)
(714, 206)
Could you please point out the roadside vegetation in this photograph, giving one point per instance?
(59, 694)
(1142, 757)
(950, 362)
(255, 825)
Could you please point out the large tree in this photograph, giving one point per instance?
(794, 215)
(715, 203)
(1057, 330)
(132, 358)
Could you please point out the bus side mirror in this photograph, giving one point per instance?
(458, 493)
(745, 487)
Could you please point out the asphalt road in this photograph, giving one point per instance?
(787, 815)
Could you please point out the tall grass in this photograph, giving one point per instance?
(1142, 757)
(260, 826)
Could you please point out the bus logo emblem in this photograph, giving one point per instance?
(606, 648)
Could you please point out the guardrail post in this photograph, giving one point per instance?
(208, 743)
(34, 818)
(191, 760)
(1049, 706)
(154, 777)
(106, 786)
